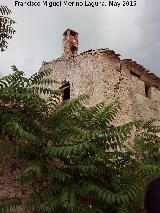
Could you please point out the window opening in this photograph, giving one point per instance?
(147, 90)
(66, 91)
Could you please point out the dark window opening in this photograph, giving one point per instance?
(147, 90)
(66, 91)
(135, 74)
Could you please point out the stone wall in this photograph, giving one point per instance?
(146, 101)
(116, 87)
(84, 72)
(105, 78)
(155, 93)
(137, 85)
(97, 73)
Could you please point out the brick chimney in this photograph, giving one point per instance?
(70, 43)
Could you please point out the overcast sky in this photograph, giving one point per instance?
(133, 32)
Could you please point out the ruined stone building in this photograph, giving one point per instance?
(105, 77)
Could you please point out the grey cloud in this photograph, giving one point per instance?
(132, 32)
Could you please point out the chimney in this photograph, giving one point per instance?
(70, 43)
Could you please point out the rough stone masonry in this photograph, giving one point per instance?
(105, 77)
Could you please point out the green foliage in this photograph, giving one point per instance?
(78, 161)
(7, 204)
(6, 30)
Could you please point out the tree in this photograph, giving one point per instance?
(79, 161)
(6, 30)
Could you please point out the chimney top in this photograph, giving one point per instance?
(70, 43)
(72, 32)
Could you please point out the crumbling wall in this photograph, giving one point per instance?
(83, 72)
(145, 92)
(137, 85)
(155, 93)
(105, 78)
(117, 87)
(98, 73)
